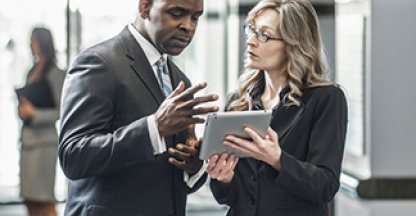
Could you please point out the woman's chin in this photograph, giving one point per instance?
(252, 66)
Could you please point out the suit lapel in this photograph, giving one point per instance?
(174, 74)
(145, 72)
(285, 116)
(141, 65)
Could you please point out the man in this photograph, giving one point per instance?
(121, 122)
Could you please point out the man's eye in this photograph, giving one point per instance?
(176, 14)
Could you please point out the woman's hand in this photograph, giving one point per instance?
(222, 167)
(265, 149)
(25, 110)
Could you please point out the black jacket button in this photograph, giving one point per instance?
(252, 201)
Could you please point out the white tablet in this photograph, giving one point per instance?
(218, 125)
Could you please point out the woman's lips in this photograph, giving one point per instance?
(251, 54)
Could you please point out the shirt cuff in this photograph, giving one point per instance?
(191, 181)
(158, 143)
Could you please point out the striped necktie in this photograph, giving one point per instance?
(164, 79)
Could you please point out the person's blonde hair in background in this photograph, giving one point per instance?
(307, 63)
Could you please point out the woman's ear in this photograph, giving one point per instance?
(144, 8)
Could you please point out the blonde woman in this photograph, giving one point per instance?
(295, 169)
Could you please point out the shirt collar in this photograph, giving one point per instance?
(149, 50)
(257, 90)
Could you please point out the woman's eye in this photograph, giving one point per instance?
(264, 35)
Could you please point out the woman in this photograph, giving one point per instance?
(39, 138)
(295, 169)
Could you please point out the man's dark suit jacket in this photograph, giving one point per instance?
(312, 138)
(105, 149)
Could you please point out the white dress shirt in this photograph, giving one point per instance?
(158, 143)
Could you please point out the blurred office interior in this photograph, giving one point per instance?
(371, 47)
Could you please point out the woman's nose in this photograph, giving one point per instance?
(252, 40)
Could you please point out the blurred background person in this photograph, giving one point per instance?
(295, 169)
(39, 136)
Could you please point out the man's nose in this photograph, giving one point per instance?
(188, 25)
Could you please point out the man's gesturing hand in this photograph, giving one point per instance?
(186, 156)
(178, 110)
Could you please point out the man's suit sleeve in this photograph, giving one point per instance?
(88, 146)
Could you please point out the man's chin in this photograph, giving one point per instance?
(175, 50)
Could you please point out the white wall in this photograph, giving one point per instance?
(393, 85)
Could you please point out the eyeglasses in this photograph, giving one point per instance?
(261, 37)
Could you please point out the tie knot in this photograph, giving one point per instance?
(161, 62)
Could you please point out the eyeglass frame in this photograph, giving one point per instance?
(250, 27)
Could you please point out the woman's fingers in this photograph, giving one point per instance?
(253, 134)
(233, 164)
(240, 145)
(212, 162)
(272, 134)
(222, 167)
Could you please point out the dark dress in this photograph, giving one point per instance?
(312, 138)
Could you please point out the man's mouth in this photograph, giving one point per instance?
(182, 41)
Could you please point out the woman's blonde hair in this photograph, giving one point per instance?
(306, 59)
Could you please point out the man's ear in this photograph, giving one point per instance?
(144, 8)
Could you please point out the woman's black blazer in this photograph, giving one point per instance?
(312, 138)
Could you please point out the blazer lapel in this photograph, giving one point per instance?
(174, 74)
(285, 116)
(141, 65)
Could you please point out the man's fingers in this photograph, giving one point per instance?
(200, 100)
(23, 100)
(178, 90)
(195, 120)
(188, 93)
(204, 110)
(179, 164)
(199, 111)
(187, 149)
(197, 145)
(191, 132)
(178, 154)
